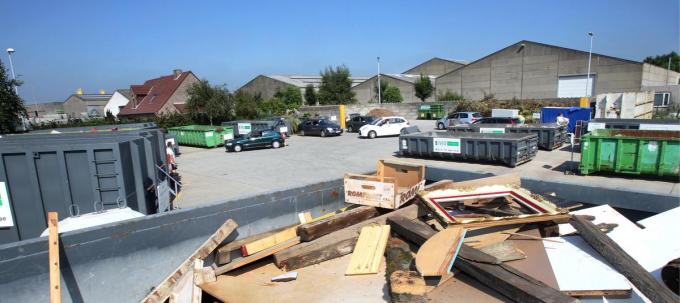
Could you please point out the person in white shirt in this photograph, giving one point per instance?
(170, 157)
(562, 120)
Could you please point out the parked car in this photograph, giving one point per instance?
(319, 127)
(385, 126)
(497, 120)
(356, 122)
(255, 139)
(458, 118)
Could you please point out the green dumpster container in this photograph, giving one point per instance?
(431, 111)
(202, 135)
(639, 152)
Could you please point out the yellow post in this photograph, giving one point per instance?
(341, 114)
(584, 102)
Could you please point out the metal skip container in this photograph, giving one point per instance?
(627, 151)
(202, 135)
(73, 176)
(509, 149)
(550, 135)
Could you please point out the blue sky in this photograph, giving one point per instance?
(63, 45)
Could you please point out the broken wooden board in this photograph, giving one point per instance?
(623, 262)
(317, 229)
(480, 237)
(233, 248)
(324, 282)
(270, 241)
(369, 250)
(581, 271)
(504, 251)
(289, 276)
(305, 217)
(436, 256)
(335, 244)
(234, 264)
(161, 292)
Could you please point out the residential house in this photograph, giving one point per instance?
(163, 95)
(118, 100)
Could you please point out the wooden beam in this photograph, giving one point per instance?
(196, 292)
(622, 262)
(234, 264)
(335, 244)
(270, 241)
(418, 232)
(315, 230)
(53, 255)
(161, 292)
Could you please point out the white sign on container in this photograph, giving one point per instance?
(446, 145)
(536, 116)
(227, 136)
(244, 128)
(492, 130)
(5, 210)
(504, 113)
(283, 129)
(595, 125)
(674, 127)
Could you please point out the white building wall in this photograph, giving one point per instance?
(114, 104)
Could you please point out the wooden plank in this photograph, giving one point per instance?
(53, 256)
(481, 237)
(623, 262)
(270, 241)
(436, 256)
(233, 248)
(369, 250)
(335, 244)
(315, 230)
(524, 219)
(196, 292)
(161, 292)
(234, 264)
(418, 232)
(305, 217)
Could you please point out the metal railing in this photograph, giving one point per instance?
(176, 184)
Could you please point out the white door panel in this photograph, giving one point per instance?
(575, 86)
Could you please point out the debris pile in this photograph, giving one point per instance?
(484, 240)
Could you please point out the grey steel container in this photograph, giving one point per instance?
(73, 177)
(550, 135)
(651, 124)
(99, 128)
(509, 149)
(254, 124)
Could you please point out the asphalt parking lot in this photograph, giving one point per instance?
(212, 175)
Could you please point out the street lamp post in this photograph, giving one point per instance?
(11, 67)
(590, 55)
(379, 92)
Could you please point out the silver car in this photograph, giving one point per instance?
(458, 118)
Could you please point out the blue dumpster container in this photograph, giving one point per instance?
(549, 115)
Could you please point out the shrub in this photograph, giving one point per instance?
(450, 96)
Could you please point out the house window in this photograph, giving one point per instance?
(662, 99)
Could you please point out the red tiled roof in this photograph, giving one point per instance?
(150, 97)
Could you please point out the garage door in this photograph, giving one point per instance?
(575, 86)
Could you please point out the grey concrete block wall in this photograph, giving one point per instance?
(434, 67)
(264, 86)
(366, 91)
(655, 76)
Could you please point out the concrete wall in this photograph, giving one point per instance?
(74, 107)
(655, 76)
(366, 91)
(532, 72)
(434, 67)
(264, 86)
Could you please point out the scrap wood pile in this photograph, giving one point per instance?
(484, 240)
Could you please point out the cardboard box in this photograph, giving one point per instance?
(393, 185)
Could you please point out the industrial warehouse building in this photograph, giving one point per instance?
(435, 67)
(531, 70)
(267, 85)
(366, 91)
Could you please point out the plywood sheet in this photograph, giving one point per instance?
(579, 269)
(323, 282)
(536, 265)
(369, 250)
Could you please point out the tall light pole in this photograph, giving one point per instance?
(11, 67)
(379, 92)
(590, 55)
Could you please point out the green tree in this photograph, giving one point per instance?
(423, 87)
(450, 96)
(291, 97)
(391, 94)
(662, 61)
(109, 117)
(336, 87)
(381, 91)
(11, 105)
(246, 105)
(310, 95)
(212, 101)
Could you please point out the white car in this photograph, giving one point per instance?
(385, 126)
